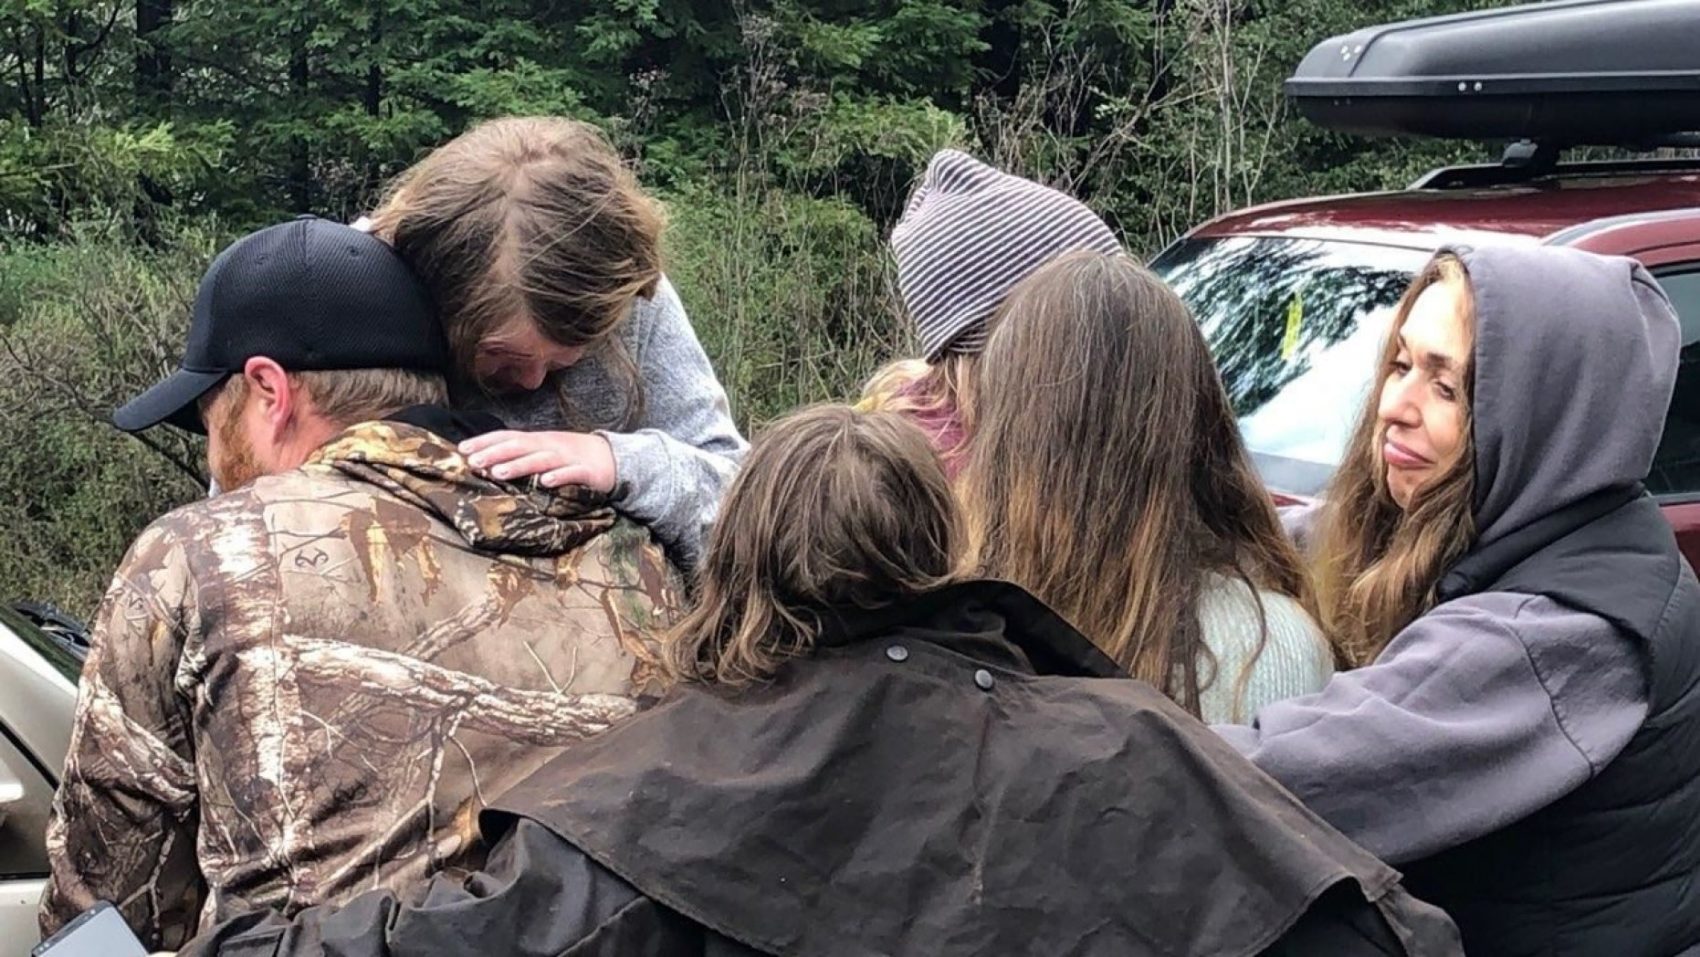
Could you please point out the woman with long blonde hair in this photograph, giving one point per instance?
(865, 755)
(1382, 547)
(1523, 735)
(1106, 475)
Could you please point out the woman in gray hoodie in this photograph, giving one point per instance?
(1523, 739)
(543, 254)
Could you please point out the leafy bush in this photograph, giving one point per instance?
(790, 294)
(85, 325)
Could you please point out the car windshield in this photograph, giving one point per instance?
(1294, 325)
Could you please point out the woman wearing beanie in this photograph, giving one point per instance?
(969, 234)
(1107, 476)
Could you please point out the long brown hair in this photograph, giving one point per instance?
(834, 509)
(1106, 473)
(534, 217)
(1377, 564)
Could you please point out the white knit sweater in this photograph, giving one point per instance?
(1295, 660)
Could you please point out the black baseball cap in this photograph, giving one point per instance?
(311, 294)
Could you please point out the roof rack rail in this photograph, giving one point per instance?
(1525, 160)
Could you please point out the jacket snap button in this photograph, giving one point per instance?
(984, 679)
(897, 653)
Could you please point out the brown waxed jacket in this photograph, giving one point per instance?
(309, 687)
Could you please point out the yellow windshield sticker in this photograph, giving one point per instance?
(1295, 318)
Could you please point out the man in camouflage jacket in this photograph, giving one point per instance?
(310, 686)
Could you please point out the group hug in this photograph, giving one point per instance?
(496, 637)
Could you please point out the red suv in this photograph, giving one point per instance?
(1295, 297)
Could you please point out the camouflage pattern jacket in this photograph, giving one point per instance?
(310, 687)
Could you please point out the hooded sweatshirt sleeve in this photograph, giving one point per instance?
(675, 467)
(1478, 714)
(537, 896)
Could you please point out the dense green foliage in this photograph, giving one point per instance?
(135, 135)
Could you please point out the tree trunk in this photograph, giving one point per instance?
(26, 93)
(153, 55)
(38, 104)
(374, 98)
(1162, 79)
(68, 52)
(375, 68)
(300, 171)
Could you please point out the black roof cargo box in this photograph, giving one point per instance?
(1572, 72)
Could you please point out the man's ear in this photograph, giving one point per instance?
(275, 399)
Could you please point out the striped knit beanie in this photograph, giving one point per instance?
(968, 235)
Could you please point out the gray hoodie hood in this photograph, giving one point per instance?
(1575, 359)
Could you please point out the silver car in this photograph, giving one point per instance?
(40, 658)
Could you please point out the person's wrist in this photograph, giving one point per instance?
(618, 488)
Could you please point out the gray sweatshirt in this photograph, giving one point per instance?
(1496, 704)
(673, 462)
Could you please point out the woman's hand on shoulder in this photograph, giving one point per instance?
(556, 458)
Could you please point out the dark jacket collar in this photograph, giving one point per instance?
(1484, 566)
(456, 425)
(981, 618)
